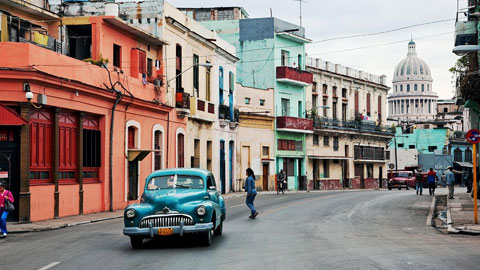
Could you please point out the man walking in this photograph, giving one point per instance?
(419, 182)
(431, 177)
(450, 182)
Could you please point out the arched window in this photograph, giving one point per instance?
(457, 155)
(468, 155)
(157, 145)
(408, 87)
(415, 87)
(180, 150)
(423, 87)
(401, 88)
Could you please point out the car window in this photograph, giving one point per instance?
(402, 174)
(175, 182)
(210, 181)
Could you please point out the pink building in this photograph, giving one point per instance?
(93, 130)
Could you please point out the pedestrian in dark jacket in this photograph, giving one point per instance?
(450, 182)
(419, 182)
(251, 192)
(431, 177)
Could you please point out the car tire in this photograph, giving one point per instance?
(399, 188)
(206, 238)
(218, 231)
(136, 242)
(407, 188)
(389, 187)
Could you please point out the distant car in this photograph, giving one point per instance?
(176, 202)
(401, 179)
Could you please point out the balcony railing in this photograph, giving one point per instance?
(182, 100)
(368, 153)
(366, 126)
(294, 76)
(224, 113)
(289, 122)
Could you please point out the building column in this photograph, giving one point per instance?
(24, 195)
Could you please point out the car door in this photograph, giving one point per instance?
(214, 195)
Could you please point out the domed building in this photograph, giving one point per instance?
(412, 99)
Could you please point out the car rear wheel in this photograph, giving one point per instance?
(136, 242)
(389, 187)
(218, 230)
(399, 188)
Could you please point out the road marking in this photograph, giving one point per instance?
(49, 266)
(432, 208)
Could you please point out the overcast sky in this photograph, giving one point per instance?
(324, 19)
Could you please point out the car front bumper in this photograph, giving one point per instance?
(153, 231)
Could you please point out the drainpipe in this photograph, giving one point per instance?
(168, 137)
(110, 158)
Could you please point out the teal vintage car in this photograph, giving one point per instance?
(176, 202)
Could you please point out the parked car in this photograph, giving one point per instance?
(176, 202)
(401, 179)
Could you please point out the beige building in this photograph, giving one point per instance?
(348, 106)
(256, 137)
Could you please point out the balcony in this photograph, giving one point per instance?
(182, 104)
(368, 153)
(466, 39)
(294, 76)
(357, 126)
(225, 117)
(294, 124)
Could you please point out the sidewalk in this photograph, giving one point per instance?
(64, 222)
(460, 216)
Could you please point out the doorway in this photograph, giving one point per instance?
(222, 166)
(133, 180)
(359, 172)
(380, 176)
(265, 177)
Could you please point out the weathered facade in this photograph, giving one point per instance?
(97, 124)
(348, 110)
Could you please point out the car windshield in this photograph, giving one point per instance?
(175, 182)
(401, 174)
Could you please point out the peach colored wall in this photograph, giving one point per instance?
(91, 201)
(42, 202)
(68, 200)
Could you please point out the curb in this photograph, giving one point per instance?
(450, 228)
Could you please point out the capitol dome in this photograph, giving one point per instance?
(412, 67)
(412, 98)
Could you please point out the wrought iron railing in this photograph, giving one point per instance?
(360, 125)
(224, 113)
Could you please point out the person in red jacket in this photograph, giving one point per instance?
(431, 176)
(4, 195)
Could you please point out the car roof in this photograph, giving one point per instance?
(186, 171)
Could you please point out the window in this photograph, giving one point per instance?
(314, 87)
(326, 140)
(91, 148)
(157, 157)
(315, 139)
(432, 148)
(379, 108)
(423, 88)
(67, 129)
(445, 110)
(457, 155)
(196, 76)
(207, 83)
(300, 63)
(334, 110)
(117, 59)
(400, 145)
(285, 55)
(368, 104)
(415, 87)
(40, 144)
(324, 89)
(149, 68)
(300, 109)
(356, 104)
(289, 145)
(247, 100)
(411, 146)
(195, 163)
(142, 62)
(335, 143)
(324, 107)
(314, 102)
(265, 151)
(334, 91)
(178, 68)
(326, 173)
(231, 80)
(344, 92)
(401, 88)
(262, 102)
(180, 150)
(285, 106)
(468, 155)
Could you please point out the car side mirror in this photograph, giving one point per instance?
(212, 188)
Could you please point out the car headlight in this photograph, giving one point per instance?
(201, 210)
(130, 213)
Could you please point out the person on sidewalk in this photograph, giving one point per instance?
(4, 195)
(450, 181)
(251, 192)
(419, 182)
(468, 181)
(431, 176)
(444, 180)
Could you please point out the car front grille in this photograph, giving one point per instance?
(166, 221)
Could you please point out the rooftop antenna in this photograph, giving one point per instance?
(300, 9)
(271, 13)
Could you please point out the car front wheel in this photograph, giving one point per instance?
(206, 238)
(218, 230)
(136, 242)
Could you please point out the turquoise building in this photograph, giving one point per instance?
(426, 141)
(272, 54)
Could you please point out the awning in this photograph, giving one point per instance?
(328, 157)
(139, 154)
(9, 117)
(464, 164)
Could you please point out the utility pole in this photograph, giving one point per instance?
(300, 1)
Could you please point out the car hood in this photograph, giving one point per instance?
(399, 179)
(174, 199)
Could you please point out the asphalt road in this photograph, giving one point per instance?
(321, 230)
